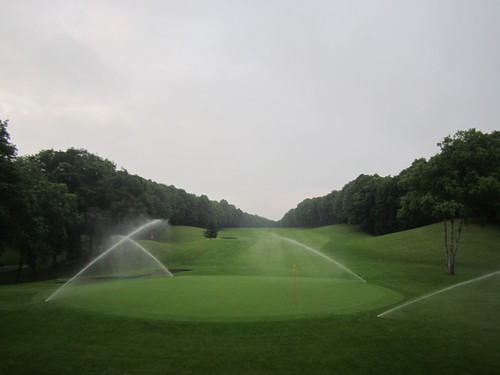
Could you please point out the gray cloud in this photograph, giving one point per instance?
(262, 103)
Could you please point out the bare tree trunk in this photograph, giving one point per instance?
(451, 248)
(445, 222)
(450, 264)
(451, 261)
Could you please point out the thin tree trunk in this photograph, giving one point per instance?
(450, 262)
(445, 222)
(452, 235)
(451, 248)
(455, 247)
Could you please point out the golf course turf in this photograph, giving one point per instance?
(228, 298)
(239, 310)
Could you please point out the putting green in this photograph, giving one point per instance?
(226, 298)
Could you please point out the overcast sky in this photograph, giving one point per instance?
(260, 102)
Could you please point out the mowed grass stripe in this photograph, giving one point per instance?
(250, 252)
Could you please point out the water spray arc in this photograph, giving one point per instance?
(322, 255)
(437, 292)
(124, 238)
(150, 255)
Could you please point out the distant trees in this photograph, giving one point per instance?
(9, 179)
(211, 231)
(370, 201)
(313, 212)
(65, 202)
(111, 198)
(44, 219)
(459, 183)
(88, 177)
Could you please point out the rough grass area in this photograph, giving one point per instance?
(104, 330)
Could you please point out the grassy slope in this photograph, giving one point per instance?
(41, 340)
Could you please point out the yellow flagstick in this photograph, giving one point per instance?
(295, 280)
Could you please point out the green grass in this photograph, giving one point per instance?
(235, 312)
(226, 298)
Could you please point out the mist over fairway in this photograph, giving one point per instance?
(232, 312)
(247, 278)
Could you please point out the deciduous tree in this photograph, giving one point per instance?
(461, 182)
(9, 179)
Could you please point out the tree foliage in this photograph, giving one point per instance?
(211, 231)
(66, 202)
(370, 201)
(9, 180)
(459, 183)
(44, 218)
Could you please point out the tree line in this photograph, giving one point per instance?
(460, 183)
(370, 201)
(67, 202)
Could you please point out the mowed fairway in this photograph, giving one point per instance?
(254, 281)
(239, 310)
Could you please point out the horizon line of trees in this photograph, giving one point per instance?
(465, 174)
(460, 183)
(68, 202)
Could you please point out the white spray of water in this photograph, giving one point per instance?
(151, 255)
(437, 292)
(322, 255)
(124, 238)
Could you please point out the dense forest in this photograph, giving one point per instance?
(67, 202)
(462, 181)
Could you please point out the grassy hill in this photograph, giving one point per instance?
(236, 310)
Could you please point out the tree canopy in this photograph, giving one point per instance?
(211, 231)
(463, 180)
(66, 202)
